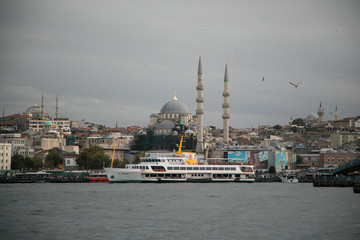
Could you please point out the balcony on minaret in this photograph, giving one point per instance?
(226, 105)
(226, 116)
(200, 99)
(199, 111)
(200, 87)
(226, 94)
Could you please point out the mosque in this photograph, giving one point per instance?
(175, 111)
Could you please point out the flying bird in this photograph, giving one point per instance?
(263, 79)
(296, 85)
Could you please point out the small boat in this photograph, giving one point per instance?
(98, 177)
(288, 178)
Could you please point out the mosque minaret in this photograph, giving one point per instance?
(57, 108)
(226, 106)
(320, 113)
(200, 110)
(336, 113)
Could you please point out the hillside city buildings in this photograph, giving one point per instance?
(309, 142)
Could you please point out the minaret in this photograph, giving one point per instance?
(57, 107)
(320, 113)
(226, 106)
(336, 113)
(42, 106)
(200, 111)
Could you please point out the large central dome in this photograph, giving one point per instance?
(175, 106)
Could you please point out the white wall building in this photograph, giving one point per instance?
(5, 156)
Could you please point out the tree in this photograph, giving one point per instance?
(277, 127)
(272, 169)
(93, 157)
(294, 129)
(120, 164)
(38, 162)
(298, 122)
(137, 157)
(18, 162)
(53, 159)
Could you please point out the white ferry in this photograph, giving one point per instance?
(180, 167)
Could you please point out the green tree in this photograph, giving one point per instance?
(120, 164)
(294, 129)
(53, 159)
(38, 162)
(93, 157)
(18, 162)
(272, 169)
(137, 157)
(277, 127)
(298, 122)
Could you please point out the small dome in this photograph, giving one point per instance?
(166, 124)
(48, 123)
(153, 115)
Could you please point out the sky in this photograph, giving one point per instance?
(120, 61)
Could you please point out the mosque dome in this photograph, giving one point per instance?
(175, 106)
(312, 117)
(48, 123)
(33, 109)
(153, 115)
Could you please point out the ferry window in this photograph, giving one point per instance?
(163, 160)
(214, 168)
(202, 168)
(221, 168)
(147, 167)
(196, 168)
(227, 169)
(170, 168)
(233, 169)
(189, 168)
(182, 168)
(208, 168)
(176, 168)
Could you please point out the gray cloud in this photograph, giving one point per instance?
(121, 60)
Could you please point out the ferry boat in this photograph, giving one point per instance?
(181, 167)
(98, 177)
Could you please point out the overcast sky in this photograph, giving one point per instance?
(120, 61)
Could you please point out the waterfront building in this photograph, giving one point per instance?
(5, 156)
(333, 158)
(18, 144)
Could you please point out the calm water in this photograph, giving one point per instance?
(178, 211)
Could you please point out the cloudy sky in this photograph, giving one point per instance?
(120, 61)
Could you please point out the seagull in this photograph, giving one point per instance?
(263, 79)
(296, 85)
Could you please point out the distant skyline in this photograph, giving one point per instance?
(120, 61)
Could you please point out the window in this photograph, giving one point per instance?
(196, 168)
(170, 168)
(182, 168)
(233, 169)
(189, 168)
(176, 168)
(227, 169)
(221, 168)
(214, 168)
(208, 168)
(202, 168)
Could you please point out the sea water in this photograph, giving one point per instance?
(178, 211)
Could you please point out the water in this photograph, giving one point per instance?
(178, 211)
